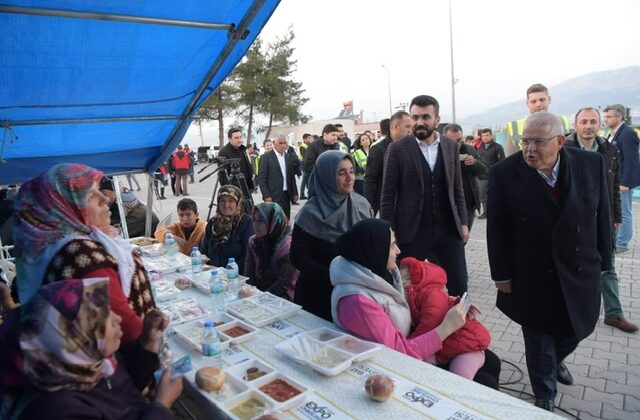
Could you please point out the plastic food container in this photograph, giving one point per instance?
(327, 351)
(262, 309)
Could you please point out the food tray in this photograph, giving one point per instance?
(262, 309)
(164, 290)
(242, 390)
(327, 351)
(162, 263)
(191, 333)
(143, 242)
(232, 387)
(183, 310)
(201, 280)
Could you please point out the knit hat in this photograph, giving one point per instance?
(129, 199)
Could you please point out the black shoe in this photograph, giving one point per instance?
(303, 197)
(162, 198)
(545, 404)
(564, 376)
(295, 203)
(482, 216)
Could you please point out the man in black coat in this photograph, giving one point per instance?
(472, 168)
(276, 167)
(587, 123)
(397, 127)
(490, 153)
(235, 149)
(328, 141)
(549, 240)
(627, 142)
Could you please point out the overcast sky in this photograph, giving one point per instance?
(500, 48)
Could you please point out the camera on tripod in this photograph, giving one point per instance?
(229, 172)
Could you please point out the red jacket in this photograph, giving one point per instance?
(180, 160)
(429, 303)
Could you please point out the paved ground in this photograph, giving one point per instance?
(606, 366)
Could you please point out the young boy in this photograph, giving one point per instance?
(188, 230)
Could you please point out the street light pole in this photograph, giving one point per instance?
(389, 88)
(453, 77)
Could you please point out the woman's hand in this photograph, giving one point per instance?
(168, 390)
(453, 320)
(153, 326)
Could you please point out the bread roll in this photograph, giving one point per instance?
(210, 378)
(379, 387)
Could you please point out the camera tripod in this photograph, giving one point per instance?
(225, 178)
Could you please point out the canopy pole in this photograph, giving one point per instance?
(123, 217)
(113, 17)
(149, 219)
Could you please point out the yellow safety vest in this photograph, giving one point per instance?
(361, 159)
(514, 129)
(302, 146)
(343, 147)
(257, 165)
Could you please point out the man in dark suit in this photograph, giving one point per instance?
(626, 140)
(423, 197)
(276, 167)
(587, 123)
(549, 240)
(397, 127)
(472, 168)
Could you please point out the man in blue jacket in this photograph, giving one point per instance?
(626, 139)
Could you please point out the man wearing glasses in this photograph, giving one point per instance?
(549, 240)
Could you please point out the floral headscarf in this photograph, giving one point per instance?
(223, 227)
(278, 230)
(51, 210)
(53, 205)
(55, 341)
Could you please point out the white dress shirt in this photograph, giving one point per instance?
(430, 152)
(283, 169)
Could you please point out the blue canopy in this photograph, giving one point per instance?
(110, 83)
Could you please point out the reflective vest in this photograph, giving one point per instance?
(361, 160)
(256, 165)
(514, 130)
(343, 147)
(302, 146)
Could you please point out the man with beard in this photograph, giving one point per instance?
(587, 123)
(236, 149)
(549, 239)
(423, 197)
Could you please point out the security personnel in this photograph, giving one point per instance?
(538, 99)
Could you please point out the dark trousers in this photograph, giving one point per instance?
(440, 244)
(544, 353)
(471, 216)
(304, 184)
(483, 188)
(285, 203)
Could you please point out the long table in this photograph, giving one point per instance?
(422, 390)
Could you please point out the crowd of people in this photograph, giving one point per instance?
(378, 248)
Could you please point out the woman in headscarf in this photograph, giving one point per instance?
(228, 231)
(332, 209)
(368, 300)
(60, 234)
(59, 358)
(268, 265)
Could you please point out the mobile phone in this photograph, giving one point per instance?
(463, 156)
(466, 300)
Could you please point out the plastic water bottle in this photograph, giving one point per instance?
(233, 277)
(170, 244)
(216, 286)
(211, 344)
(196, 260)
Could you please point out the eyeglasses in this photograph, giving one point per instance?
(539, 142)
